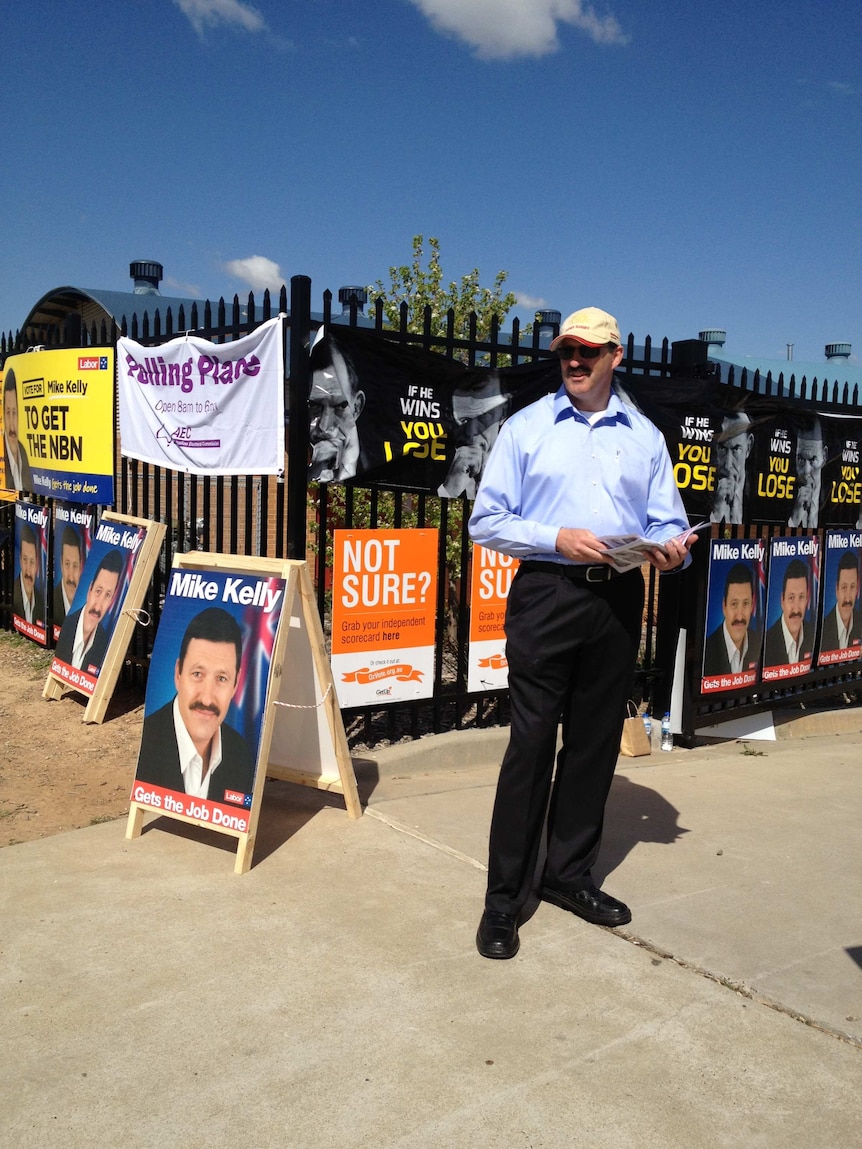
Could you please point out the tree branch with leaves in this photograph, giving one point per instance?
(421, 286)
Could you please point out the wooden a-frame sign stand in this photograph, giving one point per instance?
(112, 664)
(302, 736)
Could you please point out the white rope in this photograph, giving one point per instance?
(309, 706)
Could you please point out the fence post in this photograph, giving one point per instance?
(299, 381)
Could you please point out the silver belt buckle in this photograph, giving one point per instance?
(600, 574)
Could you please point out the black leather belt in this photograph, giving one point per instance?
(600, 572)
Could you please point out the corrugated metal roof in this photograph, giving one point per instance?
(94, 303)
(838, 371)
(129, 303)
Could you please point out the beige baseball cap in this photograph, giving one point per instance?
(590, 326)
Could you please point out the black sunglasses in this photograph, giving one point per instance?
(581, 350)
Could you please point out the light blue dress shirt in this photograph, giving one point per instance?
(550, 468)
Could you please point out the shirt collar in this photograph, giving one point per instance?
(794, 647)
(188, 751)
(733, 651)
(14, 466)
(843, 631)
(84, 643)
(564, 409)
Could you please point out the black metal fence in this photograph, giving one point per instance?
(820, 686)
(262, 515)
(354, 506)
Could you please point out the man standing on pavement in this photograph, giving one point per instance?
(564, 471)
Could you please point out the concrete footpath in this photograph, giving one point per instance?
(333, 996)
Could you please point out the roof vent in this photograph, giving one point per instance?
(348, 295)
(714, 337)
(837, 350)
(547, 325)
(147, 275)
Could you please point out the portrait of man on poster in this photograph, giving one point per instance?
(478, 413)
(335, 403)
(786, 640)
(69, 568)
(733, 646)
(28, 601)
(186, 745)
(842, 627)
(84, 639)
(733, 446)
(810, 458)
(19, 477)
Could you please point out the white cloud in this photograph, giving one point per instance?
(257, 271)
(530, 302)
(214, 12)
(501, 29)
(179, 288)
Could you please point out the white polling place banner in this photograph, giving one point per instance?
(205, 408)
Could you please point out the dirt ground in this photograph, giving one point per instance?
(56, 772)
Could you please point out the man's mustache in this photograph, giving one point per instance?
(206, 708)
(328, 434)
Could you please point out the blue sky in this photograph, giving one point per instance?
(682, 165)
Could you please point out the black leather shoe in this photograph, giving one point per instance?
(497, 936)
(591, 904)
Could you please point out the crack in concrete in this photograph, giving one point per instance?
(738, 987)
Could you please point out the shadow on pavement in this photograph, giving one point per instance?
(287, 807)
(634, 814)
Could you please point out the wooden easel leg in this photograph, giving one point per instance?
(351, 794)
(136, 821)
(54, 689)
(244, 851)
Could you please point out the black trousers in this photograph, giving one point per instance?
(571, 649)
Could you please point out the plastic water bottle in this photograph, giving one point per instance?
(648, 724)
(666, 735)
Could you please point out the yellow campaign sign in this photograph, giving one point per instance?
(58, 424)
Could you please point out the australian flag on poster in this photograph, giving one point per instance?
(259, 631)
